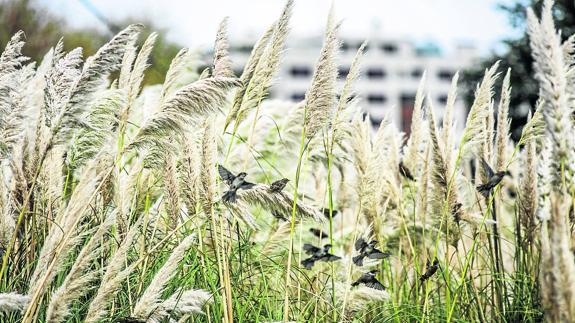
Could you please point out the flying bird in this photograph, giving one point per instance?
(279, 216)
(318, 233)
(493, 178)
(313, 250)
(430, 269)
(234, 182)
(278, 185)
(368, 279)
(326, 213)
(317, 254)
(404, 171)
(457, 212)
(367, 250)
(129, 319)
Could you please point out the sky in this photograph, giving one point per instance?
(193, 23)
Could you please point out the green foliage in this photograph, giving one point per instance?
(517, 56)
(43, 30)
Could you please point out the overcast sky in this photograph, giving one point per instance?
(194, 22)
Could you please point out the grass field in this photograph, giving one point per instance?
(112, 208)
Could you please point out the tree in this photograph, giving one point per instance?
(517, 56)
(43, 31)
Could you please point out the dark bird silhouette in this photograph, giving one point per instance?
(493, 178)
(317, 254)
(367, 250)
(318, 233)
(278, 185)
(234, 182)
(457, 212)
(309, 262)
(313, 250)
(430, 269)
(129, 319)
(326, 213)
(404, 171)
(279, 216)
(368, 279)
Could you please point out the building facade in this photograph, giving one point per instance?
(391, 72)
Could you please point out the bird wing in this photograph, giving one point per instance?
(226, 175)
(375, 284)
(310, 249)
(308, 263)
(359, 244)
(326, 213)
(361, 280)
(358, 260)
(330, 257)
(280, 184)
(318, 233)
(488, 170)
(247, 185)
(378, 254)
(405, 171)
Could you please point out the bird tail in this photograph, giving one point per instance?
(229, 196)
(484, 189)
(358, 260)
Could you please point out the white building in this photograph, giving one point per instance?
(391, 72)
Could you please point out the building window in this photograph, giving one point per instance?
(445, 75)
(349, 46)
(245, 49)
(344, 46)
(417, 73)
(389, 48)
(343, 72)
(407, 102)
(300, 71)
(442, 99)
(376, 98)
(364, 116)
(375, 73)
(298, 96)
